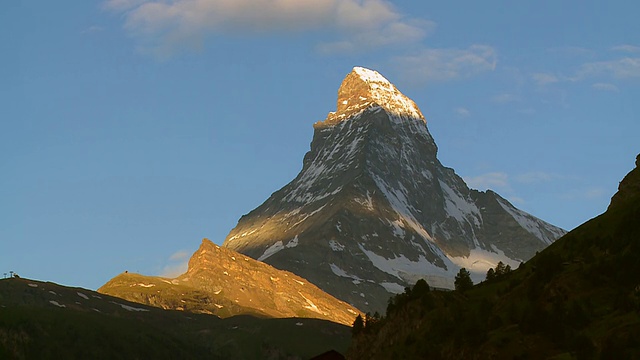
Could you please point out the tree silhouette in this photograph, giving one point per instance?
(420, 288)
(491, 274)
(10, 273)
(463, 280)
(358, 325)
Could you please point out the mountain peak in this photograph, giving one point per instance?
(363, 88)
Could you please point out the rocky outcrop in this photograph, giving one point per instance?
(222, 282)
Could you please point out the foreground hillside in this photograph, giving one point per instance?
(579, 298)
(225, 283)
(47, 321)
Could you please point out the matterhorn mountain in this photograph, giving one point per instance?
(373, 210)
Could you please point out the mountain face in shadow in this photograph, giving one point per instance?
(579, 298)
(43, 320)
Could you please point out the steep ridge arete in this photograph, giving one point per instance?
(222, 282)
(373, 210)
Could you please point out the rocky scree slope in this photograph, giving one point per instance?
(373, 210)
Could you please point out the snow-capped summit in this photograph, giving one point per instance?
(373, 210)
(364, 88)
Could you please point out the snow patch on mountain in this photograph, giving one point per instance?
(293, 243)
(399, 203)
(392, 287)
(403, 268)
(339, 272)
(277, 247)
(335, 245)
(385, 94)
(273, 249)
(458, 207)
(530, 224)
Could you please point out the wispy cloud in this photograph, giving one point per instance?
(605, 87)
(535, 177)
(571, 51)
(179, 256)
(504, 98)
(627, 48)
(502, 182)
(542, 79)
(164, 26)
(92, 29)
(492, 180)
(624, 68)
(587, 193)
(177, 264)
(447, 64)
(462, 112)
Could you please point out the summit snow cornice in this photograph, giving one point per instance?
(363, 88)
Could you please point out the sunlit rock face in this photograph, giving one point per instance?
(373, 210)
(225, 283)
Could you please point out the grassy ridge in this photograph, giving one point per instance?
(98, 326)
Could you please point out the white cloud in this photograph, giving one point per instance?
(179, 256)
(570, 51)
(174, 270)
(624, 68)
(92, 29)
(605, 87)
(164, 26)
(447, 64)
(542, 79)
(462, 112)
(492, 180)
(177, 264)
(627, 48)
(587, 193)
(535, 177)
(504, 98)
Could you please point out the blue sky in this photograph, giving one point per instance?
(132, 129)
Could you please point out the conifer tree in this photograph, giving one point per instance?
(463, 280)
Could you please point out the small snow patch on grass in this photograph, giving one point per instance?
(129, 308)
(33, 285)
(52, 302)
(83, 295)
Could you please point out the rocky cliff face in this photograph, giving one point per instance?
(222, 282)
(373, 210)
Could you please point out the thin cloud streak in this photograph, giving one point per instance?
(627, 48)
(462, 112)
(492, 180)
(625, 68)
(446, 64)
(177, 265)
(605, 87)
(543, 79)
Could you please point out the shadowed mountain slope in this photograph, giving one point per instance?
(41, 320)
(579, 298)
